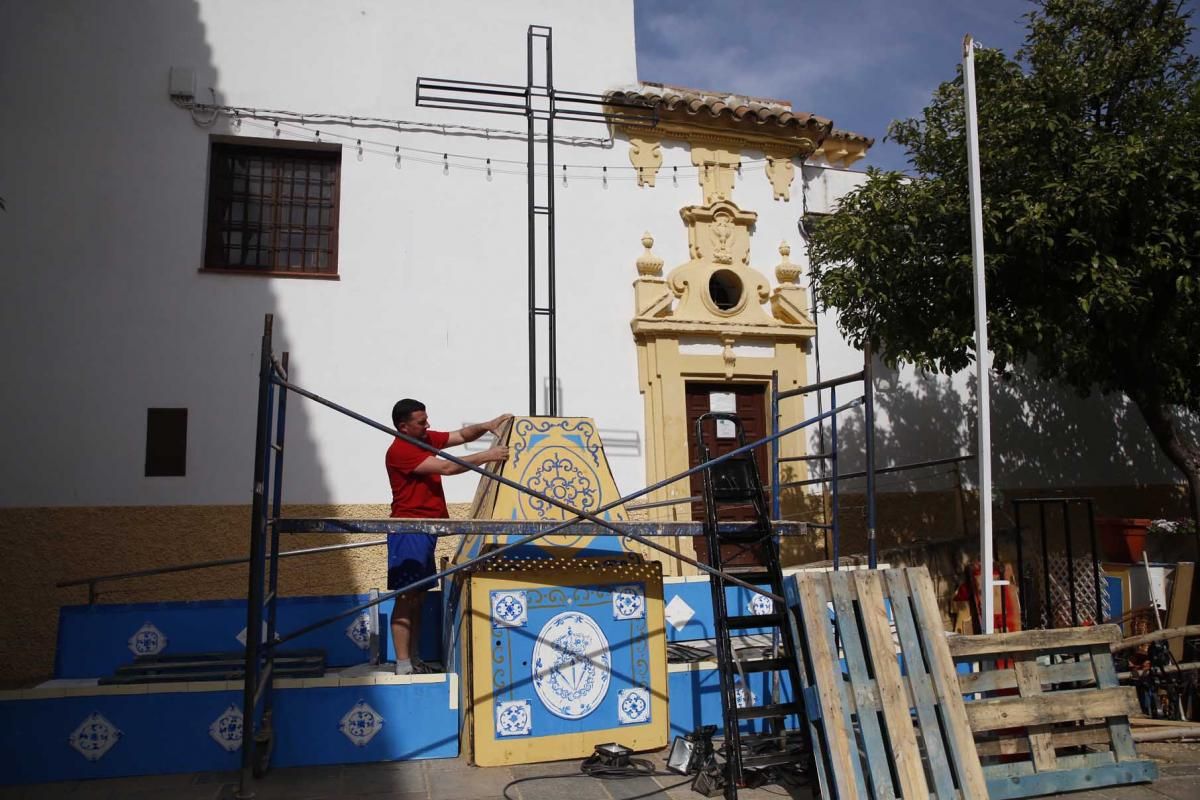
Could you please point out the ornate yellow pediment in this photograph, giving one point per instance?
(718, 283)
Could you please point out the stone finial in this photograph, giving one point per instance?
(648, 264)
(786, 271)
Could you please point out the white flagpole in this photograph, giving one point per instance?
(982, 355)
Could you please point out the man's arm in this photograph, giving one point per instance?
(440, 466)
(470, 433)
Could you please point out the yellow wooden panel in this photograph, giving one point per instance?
(563, 458)
(553, 591)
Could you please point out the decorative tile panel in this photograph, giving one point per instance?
(361, 723)
(514, 718)
(633, 706)
(94, 737)
(226, 729)
(629, 602)
(147, 641)
(359, 631)
(760, 606)
(510, 609)
(678, 613)
(572, 665)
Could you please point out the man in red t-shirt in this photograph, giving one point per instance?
(416, 478)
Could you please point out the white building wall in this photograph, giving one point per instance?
(105, 180)
(105, 313)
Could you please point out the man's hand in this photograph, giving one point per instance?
(494, 454)
(495, 424)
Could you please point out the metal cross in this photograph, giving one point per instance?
(536, 102)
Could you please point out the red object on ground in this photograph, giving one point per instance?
(1122, 539)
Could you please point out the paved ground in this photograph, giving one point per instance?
(454, 779)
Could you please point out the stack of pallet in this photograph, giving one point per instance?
(898, 708)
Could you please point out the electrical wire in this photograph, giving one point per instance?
(302, 124)
(483, 164)
(355, 121)
(638, 768)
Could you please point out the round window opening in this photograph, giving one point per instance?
(725, 289)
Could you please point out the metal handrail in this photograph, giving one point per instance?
(880, 470)
(853, 377)
(91, 582)
(474, 562)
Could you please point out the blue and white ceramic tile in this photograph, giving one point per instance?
(629, 602)
(94, 737)
(744, 697)
(510, 609)
(759, 605)
(514, 718)
(359, 631)
(572, 665)
(147, 640)
(633, 706)
(226, 729)
(361, 723)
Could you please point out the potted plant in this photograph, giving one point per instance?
(1122, 538)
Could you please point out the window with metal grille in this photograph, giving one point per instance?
(273, 208)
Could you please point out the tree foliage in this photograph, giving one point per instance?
(1089, 145)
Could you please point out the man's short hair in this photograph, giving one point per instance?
(404, 409)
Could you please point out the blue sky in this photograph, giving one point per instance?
(861, 63)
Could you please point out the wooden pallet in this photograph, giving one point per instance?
(885, 709)
(1047, 712)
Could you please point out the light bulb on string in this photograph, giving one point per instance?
(397, 157)
(360, 150)
(317, 136)
(604, 178)
(445, 164)
(237, 123)
(489, 169)
(739, 169)
(675, 176)
(276, 129)
(564, 176)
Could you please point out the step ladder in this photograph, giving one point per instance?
(736, 483)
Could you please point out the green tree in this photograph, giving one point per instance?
(1090, 146)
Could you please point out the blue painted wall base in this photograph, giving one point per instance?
(115, 732)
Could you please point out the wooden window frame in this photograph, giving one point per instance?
(213, 242)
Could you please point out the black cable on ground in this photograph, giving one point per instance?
(638, 768)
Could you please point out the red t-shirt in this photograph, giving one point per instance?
(419, 496)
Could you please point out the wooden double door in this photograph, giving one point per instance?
(749, 402)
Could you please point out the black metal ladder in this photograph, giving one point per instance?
(736, 482)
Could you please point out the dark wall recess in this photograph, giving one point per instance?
(166, 442)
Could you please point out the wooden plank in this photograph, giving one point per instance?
(1156, 636)
(958, 730)
(866, 695)
(1007, 644)
(1118, 725)
(1005, 788)
(1017, 769)
(1046, 709)
(1029, 685)
(845, 769)
(905, 754)
(801, 692)
(1181, 599)
(996, 679)
(1016, 744)
(919, 684)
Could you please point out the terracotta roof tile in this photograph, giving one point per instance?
(739, 109)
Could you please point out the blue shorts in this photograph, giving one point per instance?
(410, 558)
